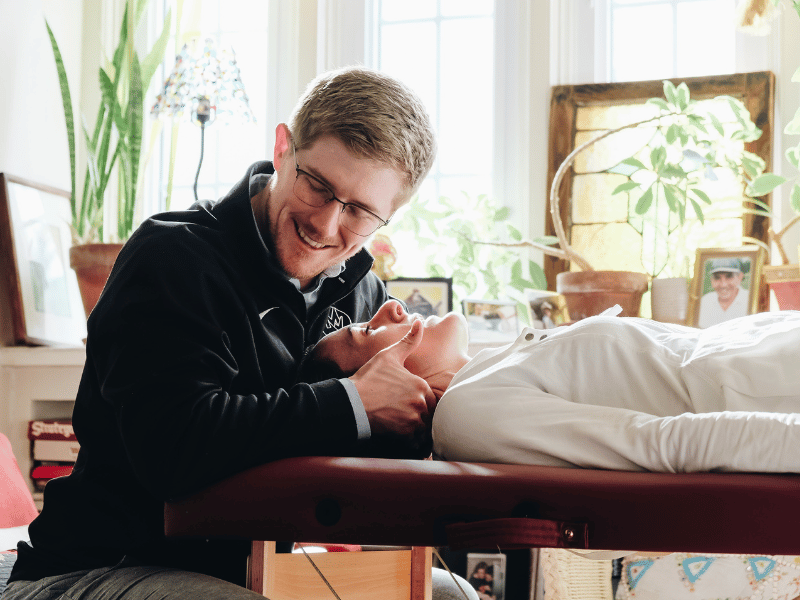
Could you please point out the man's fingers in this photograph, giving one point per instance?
(403, 348)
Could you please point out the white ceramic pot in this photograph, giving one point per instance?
(669, 299)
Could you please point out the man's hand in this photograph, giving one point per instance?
(395, 399)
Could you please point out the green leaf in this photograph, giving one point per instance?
(537, 275)
(672, 133)
(793, 156)
(660, 103)
(502, 213)
(701, 195)
(674, 196)
(683, 96)
(670, 93)
(69, 118)
(716, 123)
(624, 187)
(644, 203)
(698, 211)
(514, 233)
(658, 156)
(793, 127)
(794, 198)
(153, 59)
(764, 184)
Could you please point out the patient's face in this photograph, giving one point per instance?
(443, 339)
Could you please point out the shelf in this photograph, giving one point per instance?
(42, 356)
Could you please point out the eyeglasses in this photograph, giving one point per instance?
(311, 191)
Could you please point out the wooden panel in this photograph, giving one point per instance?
(384, 574)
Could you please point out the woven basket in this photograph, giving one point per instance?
(568, 576)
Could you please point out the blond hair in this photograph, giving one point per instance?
(375, 116)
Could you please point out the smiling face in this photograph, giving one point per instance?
(726, 284)
(443, 347)
(307, 240)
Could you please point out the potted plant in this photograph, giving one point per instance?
(114, 150)
(448, 231)
(664, 197)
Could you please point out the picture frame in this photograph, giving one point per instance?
(42, 293)
(431, 296)
(486, 573)
(721, 275)
(548, 309)
(491, 320)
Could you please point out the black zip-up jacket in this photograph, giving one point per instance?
(191, 360)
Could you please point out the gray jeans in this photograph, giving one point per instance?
(124, 582)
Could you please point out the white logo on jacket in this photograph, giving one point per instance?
(335, 320)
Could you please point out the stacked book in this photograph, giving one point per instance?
(54, 449)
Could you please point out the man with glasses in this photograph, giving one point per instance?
(194, 349)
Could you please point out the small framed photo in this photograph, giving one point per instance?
(548, 309)
(431, 296)
(491, 320)
(726, 284)
(487, 575)
(42, 290)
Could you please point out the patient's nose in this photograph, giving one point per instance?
(391, 312)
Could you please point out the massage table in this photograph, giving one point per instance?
(416, 505)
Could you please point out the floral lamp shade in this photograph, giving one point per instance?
(205, 85)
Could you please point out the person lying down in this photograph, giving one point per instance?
(606, 392)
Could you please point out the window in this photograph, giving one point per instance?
(228, 149)
(444, 50)
(655, 39)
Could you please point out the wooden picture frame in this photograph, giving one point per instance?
(425, 296)
(41, 289)
(721, 275)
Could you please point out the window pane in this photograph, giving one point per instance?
(641, 42)
(466, 51)
(706, 38)
(456, 8)
(402, 10)
(412, 63)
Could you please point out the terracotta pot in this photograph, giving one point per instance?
(589, 293)
(92, 263)
(784, 281)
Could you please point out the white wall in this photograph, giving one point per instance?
(33, 138)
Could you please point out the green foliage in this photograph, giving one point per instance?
(115, 142)
(688, 144)
(448, 231)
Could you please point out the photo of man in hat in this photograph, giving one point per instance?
(728, 299)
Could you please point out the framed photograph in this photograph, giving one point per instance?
(425, 296)
(491, 320)
(726, 284)
(42, 290)
(548, 309)
(487, 575)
